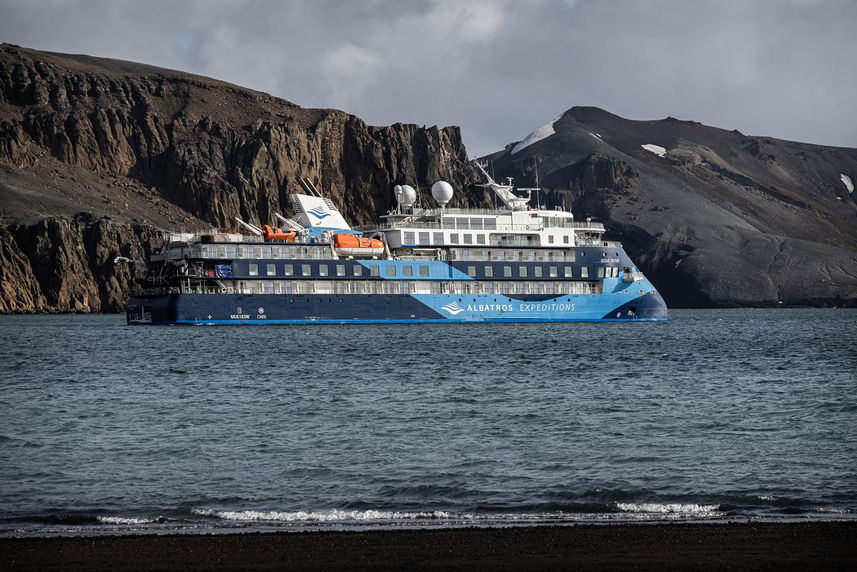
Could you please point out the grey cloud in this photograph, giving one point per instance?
(499, 69)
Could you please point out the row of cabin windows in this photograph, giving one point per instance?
(437, 238)
(552, 272)
(338, 269)
(427, 287)
(264, 251)
(516, 255)
(423, 270)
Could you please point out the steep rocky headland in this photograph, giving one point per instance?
(97, 155)
(714, 217)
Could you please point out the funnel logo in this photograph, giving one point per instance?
(453, 308)
(318, 212)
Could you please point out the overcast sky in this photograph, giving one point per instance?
(497, 68)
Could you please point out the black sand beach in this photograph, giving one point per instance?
(766, 546)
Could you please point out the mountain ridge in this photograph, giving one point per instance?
(721, 219)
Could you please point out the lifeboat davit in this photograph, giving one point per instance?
(351, 245)
(277, 234)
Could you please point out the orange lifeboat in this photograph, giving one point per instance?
(277, 234)
(351, 245)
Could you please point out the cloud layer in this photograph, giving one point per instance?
(499, 68)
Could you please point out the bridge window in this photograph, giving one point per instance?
(306, 269)
(489, 271)
(552, 271)
(408, 238)
(567, 271)
(437, 238)
(253, 270)
(322, 269)
(537, 271)
(340, 270)
(522, 271)
(271, 269)
(288, 269)
(507, 271)
(471, 271)
(357, 270)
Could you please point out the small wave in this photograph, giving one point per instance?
(322, 516)
(125, 520)
(675, 510)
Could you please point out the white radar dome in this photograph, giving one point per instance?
(408, 196)
(442, 192)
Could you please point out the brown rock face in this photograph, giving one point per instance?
(152, 148)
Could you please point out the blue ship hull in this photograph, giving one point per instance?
(214, 309)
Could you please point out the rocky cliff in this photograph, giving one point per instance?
(97, 155)
(714, 217)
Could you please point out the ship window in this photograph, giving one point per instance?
(548, 287)
(437, 238)
(550, 239)
(271, 269)
(391, 270)
(468, 239)
(424, 270)
(409, 238)
(567, 271)
(488, 287)
(519, 288)
(424, 238)
(268, 287)
(448, 222)
(289, 269)
(480, 239)
(408, 270)
(461, 223)
(584, 272)
(565, 239)
(537, 271)
(522, 271)
(552, 271)
(322, 269)
(253, 270)
(340, 270)
(507, 271)
(266, 252)
(373, 270)
(490, 224)
(305, 269)
(476, 223)
(569, 255)
(453, 238)
(257, 252)
(471, 271)
(489, 271)
(601, 272)
(358, 270)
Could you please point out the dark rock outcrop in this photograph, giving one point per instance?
(722, 219)
(151, 149)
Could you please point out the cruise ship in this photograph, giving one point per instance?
(432, 264)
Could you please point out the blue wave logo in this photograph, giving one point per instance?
(453, 308)
(318, 212)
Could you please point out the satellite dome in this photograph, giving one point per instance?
(408, 196)
(442, 192)
(397, 192)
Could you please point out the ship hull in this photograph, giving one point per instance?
(273, 309)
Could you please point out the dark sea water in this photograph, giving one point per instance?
(716, 415)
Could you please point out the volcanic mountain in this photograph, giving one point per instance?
(714, 217)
